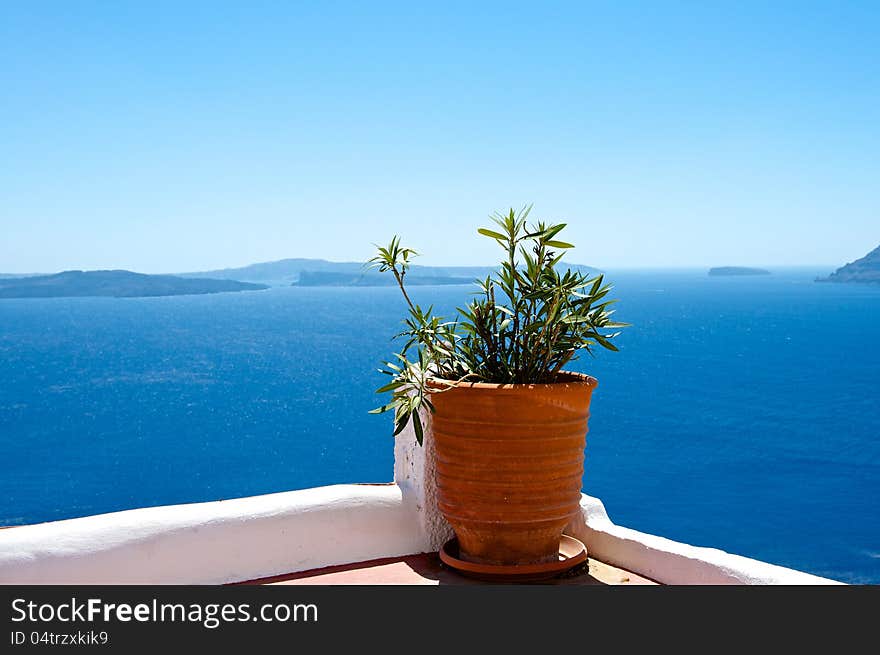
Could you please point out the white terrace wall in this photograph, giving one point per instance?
(213, 543)
(261, 536)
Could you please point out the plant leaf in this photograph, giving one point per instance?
(417, 428)
(490, 233)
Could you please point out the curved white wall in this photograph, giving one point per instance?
(672, 562)
(218, 542)
(261, 536)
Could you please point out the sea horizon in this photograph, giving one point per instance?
(671, 268)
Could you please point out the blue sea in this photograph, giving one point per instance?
(741, 413)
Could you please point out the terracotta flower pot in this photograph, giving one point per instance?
(510, 460)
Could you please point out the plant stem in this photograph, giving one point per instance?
(511, 254)
(412, 308)
(399, 277)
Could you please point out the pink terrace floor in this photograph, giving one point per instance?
(427, 569)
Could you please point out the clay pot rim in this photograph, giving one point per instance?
(572, 552)
(565, 379)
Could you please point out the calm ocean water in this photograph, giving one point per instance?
(741, 413)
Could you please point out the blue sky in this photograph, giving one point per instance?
(169, 136)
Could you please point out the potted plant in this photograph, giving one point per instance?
(509, 422)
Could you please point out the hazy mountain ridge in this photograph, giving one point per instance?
(371, 279)
(866, 269)
(288, 271)
(117, 284)
(285, 272)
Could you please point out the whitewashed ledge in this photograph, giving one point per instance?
(261, 536)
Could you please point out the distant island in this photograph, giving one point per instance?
(721, 271)
(320, 272)
(117, 284)
(279, 273)
(371, 279)
(283, 273)
(865, 270)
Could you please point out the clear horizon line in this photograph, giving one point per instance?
(659, 267)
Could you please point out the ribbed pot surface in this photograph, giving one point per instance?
(510, 460)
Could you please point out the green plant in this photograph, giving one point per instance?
(527, 322)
